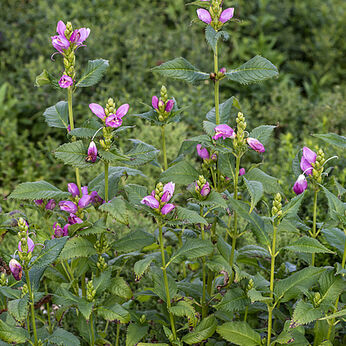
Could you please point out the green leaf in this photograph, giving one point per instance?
(270, 184)
(37, 190)
(253, 251)
(218, 263)
(209, 127)
(336, 208)
(117, 209)
(190, 216)
(335, 238)
(46, 78)
(305, 313)
(159, 288)
(255, 189)
(212, 37)
(114, 312)
(18, 308)
(113, 156)
(308, 245)
(234, 300)
(202, 332)
(73, 154)
(135, 193)
(141, 266)
(93, 73)
(135, 333)
(239, 333)
(331, 287)
(141, 153)
(77, 247)
(181, 173)
(262, 133)
(228, 111)
(102, 282)
(291, 208)
(337, 314)
(12, 334)
(120, 288)
(9, 292)
(82, 132)
(183, 308)
(255, 70)
(62, 337)
(180, 68)
(57, 115)
(214, 199)
(333, 138)
(286, 289)
(134, 241)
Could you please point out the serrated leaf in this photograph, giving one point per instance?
(255, 189)
(77, 247)
(305, 313)
(331, 287)
(37, 190)
(93, 73)
(82, 132)
(270, 184)
(214, 199)
(256, 296)
(181, 173)
(73, 154)
(308, 245)
(135, 193)
(46, 78)
(337, 314)
(141, 266)
(102, 282)
(253, 251)
(209, 127)
(114, 312)
(57, 115)
(239, 333)
(336, 208)
(202, 332)
(135, 333)
(18, 308)
(255, 70)
(212, 36)
(335, 238)
(234, 300)
(159, 288)
(333, 138)
(12, 334)
(180, 68)
(117, 209)
(141, 153)
(120, 288)
(62, 337)
(113, 156)
(182, 309)
(291, 208)
(262, 133)
(134, 241)
(228, 111)
(190, 216)
(218, 263)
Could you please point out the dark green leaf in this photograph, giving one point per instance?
(239, 333)
(202, 332)
(262, 133)
(134, 241)
(135, 333)
(333, 138)
(117, 209)
(181, 173)
(93, 73)
(213, 37)
(57, 116)
(308, 245)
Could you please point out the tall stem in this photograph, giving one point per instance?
(32, 302)
(216, 86)
(106, 181)
(314, 234)
(165, 278)
(50, 329)
(163, 138)
(204, 305)
(70, 116)
(118, 335)
(91, 321)
(272, 267)
(180, 241)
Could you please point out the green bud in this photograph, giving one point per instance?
(3, 280)
(161, 118)
(142, 319)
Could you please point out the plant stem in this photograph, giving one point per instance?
(272, 267)
(246, 312)
(165, 278)
(118, 335)
(204, 305)
(32, 302)
(48, 310)
(163, 138)
(180, 245)
(70, 115)
(216, 87)
(314, 234)
(106, 181)
(83, 286)
(91, 321)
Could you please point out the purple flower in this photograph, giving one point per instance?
(51, 204)
(202, 152)
(223, 70)
(151, 202)
(307, 159)
(98, 110)
(169, 105)
(31, 245)
(84, 201)
(204, 15)
(168, 191)
(256, 145)
(84, 190)
(96, 200)
(92, 152)
(79, 36)
(38, 202)
(226, 15)
(16, 269)
(61, 28)
(114, 121)
(73, 219)
(58, 231)
(60, 43)
(223, 131)
(167, 208)
(205, 190)
(65, 230)
(155, 102)
(65, 81)
(68, 206)
(300, 185)
(73, 189)
(241, 171)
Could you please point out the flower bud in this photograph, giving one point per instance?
(205, 190)
(16, 269)
(51, 204)
(169, 106)
(255, 144)
(38, 202)
(241, 171)
(92, 152)
(167, 208)
(73, 189)
(202, 152)
(300, 185)
(58, 231)
(27, 243)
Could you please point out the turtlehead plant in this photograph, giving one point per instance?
(218, 253)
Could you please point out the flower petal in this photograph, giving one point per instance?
(204, 15)
(226, 15)
(122, 110)
(98, 110)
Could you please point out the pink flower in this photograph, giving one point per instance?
(92, 153)
(307, 159)
(65, 230)
(300, 185)
(65, 81)
(84, 201)
(51, 204)
(98, 110)
(79, 36)
(73, 219)
(58, 231)
(256, 145)
(16, 269)
(241, 171)
(38, 202)
(168, 191)
(223, 131)
(68, 206)
(204, 15)
(167, 208)
(73, 189)
(96, 200)
(155, 102)
(151, 202)
(202, 152)
(205, 190)
(226, 15)
(169, 105)
(31, 245)
(60, 43)
(223, 70)
(114, 121)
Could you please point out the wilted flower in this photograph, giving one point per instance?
(68, 206)
(307, 159)
(223, 131)
(73, 189)
(241, 171)
(65, 81)
(202, 152)
(300, 185)
(256, 145)
(31, 245)
(96, 199)
(151, 202)
(92, 152)
(51, 204)
(16, 269)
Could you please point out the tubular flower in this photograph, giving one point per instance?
(241, 171)
(256, 145)
(38, 202)
(65, 81)
(223, 131)
(68, 206)
(307, 159)
(16, 269)
(112, 120)
(51, 204)
(79, 36)
(168, 191)
(58, 231)
(73, 219)
(202, 152)
(65, 230)
(204, 15)
(151, 202)
(73, 189)
(92, 152)
(169, 105)
(60, 43)
(205, 190)
(226, 15)
(300, 185)
(84, 201)
(167, 208)
(31, 245)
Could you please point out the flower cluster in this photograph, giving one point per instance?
(163, 106)
(159, 198)
(50, 205)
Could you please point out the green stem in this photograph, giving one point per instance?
(32, 302)
(216, 86)
(163, 138)
(83, 286)
(106, 180)
(246, 312)
(91, 321)
(50, 329)
(70, 116)
(314, 234)
(118, 335)
(165, 278)
(180, 245)
(204, 305)
(270, 321)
